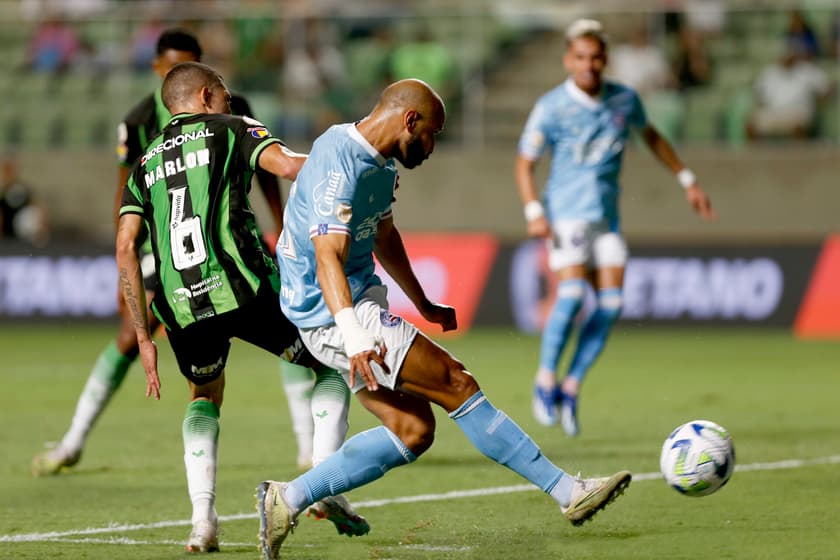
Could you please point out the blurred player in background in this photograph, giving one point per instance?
(338, 215)
(585, 123)
(215, 279)
(143, 123)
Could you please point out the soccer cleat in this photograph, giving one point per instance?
(275, 519)
(53, 461)
(338, 510)
(203, 537)
(543, 406)
(591, 495)
(568, 414)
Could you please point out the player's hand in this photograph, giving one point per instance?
(443, 315)
(364, 363)
(149, 356)
(539, 227)
(700, 202)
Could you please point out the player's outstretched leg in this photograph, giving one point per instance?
(501, 439)
(591, 342)
(555, 334)
(106, 377)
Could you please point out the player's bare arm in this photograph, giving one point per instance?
(665, 153)
(538, 225)
(331, 251)
(270, 187)
(281, 161)
(134, 294)
(391, 253)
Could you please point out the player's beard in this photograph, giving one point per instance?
(414, 154)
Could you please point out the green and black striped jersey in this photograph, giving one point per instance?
(191, 187)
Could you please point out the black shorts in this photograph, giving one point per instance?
(202, 348)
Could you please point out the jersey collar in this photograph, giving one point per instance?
(581, 96)
(362, 141)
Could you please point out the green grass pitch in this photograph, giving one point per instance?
(778, 396)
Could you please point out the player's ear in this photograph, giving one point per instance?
(206, 96)
(410, 118)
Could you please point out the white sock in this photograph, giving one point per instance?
(298, 382)
(330, 406)
(105, 378)
(201, 434)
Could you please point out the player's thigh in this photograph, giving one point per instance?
(431, 372)
(201, 349)
(409, 417)
(609, 250)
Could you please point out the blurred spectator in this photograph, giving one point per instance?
(707, 17)
(315, 77)
(21, 216)
(787, 94)
(834, 35)
(640, 65)
(54, 46)
(143, 49)
(692, 65)
(426, 59)
(800, 37)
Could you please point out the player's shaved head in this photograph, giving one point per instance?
(184, 81)
(412, 94)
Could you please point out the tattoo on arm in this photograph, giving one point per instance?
(138, 312)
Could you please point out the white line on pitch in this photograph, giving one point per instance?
(455, 494)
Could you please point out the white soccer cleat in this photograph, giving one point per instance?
(53, 461)
(275, 518)
(338, 510)
(591, 495)
(204, 537)
(543, 406)
(568, 414)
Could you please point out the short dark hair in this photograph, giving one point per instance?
(184, 80)
(178, 40)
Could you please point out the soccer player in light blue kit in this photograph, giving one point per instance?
(338, 215)
(584, 123)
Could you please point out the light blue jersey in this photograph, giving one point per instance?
(344, 187)
(587, 137)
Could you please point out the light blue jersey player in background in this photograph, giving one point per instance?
(584, 123)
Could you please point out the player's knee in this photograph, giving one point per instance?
(572, 290)
(610, 303)
(461, 382)
(416, 433)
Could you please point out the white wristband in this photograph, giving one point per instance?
(356, 337)
(534, 210)
(686, 177)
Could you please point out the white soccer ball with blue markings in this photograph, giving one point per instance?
(697, 458)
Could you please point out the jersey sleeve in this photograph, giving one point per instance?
(533, 141)
(132, 199)
(637, 118)
(129, 149)
(253, 137)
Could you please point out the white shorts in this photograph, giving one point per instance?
(591, 244)
(327, 344)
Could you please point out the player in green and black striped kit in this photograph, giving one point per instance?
(142, 124)
(215, 280)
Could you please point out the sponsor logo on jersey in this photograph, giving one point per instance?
(180, 295)
(176, 141)
(388, 319)
(325, 198)
(259, 132)
(344, 213)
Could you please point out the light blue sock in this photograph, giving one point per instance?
(498, 437)
(594, 333)
(363, 458)
(559, 324)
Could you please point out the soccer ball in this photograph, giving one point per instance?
(697, 458)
